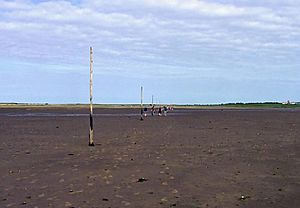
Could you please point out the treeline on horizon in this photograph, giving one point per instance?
(261, 104)
(251, 104)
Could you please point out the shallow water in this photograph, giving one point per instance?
(117, 114)
(78, 114)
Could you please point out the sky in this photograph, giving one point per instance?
(180, 51)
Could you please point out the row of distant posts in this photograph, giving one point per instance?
(91, 134)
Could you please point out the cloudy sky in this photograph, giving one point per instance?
(181, 51)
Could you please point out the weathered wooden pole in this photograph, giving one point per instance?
(152, 100)
(91, 135)
(142, 110)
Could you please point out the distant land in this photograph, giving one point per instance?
(191, 106)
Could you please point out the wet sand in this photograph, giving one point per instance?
(189, 159)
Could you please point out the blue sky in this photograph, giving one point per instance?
(181, 51)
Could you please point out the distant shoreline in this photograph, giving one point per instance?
(187, 106)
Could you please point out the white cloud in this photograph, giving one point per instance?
(190, 33)
(201, 7)
(12, 5)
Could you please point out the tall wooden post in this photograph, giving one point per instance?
(91, 135)
(152, 100)
(142, 110)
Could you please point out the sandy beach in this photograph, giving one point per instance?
(191, 158)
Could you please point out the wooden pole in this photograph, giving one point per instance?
(142, 103)
(152, 100)
(91, 135)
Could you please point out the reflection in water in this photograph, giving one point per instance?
(74, 114)
(176, 113)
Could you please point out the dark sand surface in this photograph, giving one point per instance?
(194, 158)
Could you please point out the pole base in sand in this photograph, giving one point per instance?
(91, 144)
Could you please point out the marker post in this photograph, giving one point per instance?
(142, 118)
(91, 135)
